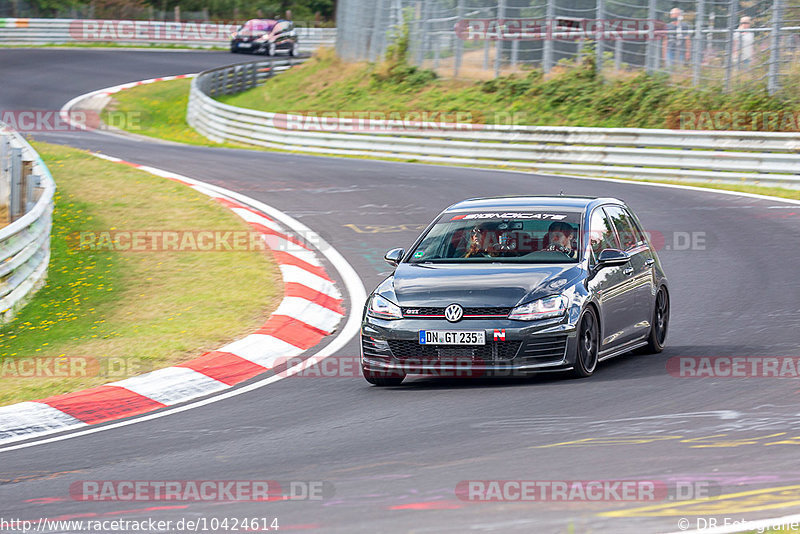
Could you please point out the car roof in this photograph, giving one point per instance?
(516, 202)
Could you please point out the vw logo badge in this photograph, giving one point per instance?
(453, 313)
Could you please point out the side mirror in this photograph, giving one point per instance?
(394, 256)
(612, 256)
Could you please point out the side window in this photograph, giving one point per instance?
(627, 230)
(601, 233)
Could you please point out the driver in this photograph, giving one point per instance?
(559, 238)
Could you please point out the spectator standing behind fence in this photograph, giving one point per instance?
(743, 44)
(677, 46)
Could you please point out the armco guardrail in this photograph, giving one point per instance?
(138, 32)
(727, 156)
(25, 243)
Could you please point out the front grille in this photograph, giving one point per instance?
(545, 349)
(469, 313)
(492, 351)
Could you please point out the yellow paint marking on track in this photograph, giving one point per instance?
(730, 503)
(728, 443)
(623, 440)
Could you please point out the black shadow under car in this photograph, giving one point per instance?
(517, 285)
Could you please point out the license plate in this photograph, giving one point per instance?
(245, 45)
(452, 337)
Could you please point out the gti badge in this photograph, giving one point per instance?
(453, 313)
(499, 335)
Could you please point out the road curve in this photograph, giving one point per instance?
(392, 458)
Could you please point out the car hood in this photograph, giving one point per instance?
(485, 285)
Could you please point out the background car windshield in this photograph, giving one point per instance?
(540, 236)
(259, 26)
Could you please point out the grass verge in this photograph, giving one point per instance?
(324, 84)
(155, 110)
(129, 311)
(570, 95)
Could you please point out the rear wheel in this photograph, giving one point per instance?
(588, 345)
(383, 378)
(660, 324)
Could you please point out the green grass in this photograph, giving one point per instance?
(324, 83)
(155, 110)
(149, 309)
(569, 96)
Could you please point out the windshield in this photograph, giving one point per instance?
(534, 236)
(258, 26)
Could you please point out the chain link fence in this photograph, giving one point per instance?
(703, 42)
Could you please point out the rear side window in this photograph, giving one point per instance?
(601, 233)
(629, 234)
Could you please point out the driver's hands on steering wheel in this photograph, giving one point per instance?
(562, 249)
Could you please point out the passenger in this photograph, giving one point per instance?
(559, 238)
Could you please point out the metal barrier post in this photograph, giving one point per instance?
(651, 48)
(547, 54)
(459, 41)
(600, 15)
(15, 210)
(698, 42)
(498, 47)
(773, 84)
(732, 10)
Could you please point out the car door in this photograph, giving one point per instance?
(609, 283)
(639, 272)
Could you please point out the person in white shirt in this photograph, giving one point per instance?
(743, 44)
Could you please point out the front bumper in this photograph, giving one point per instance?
(393, 347)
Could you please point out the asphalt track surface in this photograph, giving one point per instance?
(393, 457)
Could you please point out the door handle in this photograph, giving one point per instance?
(628, 271)
(649, 261)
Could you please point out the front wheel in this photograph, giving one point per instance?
(658, 328)
(383, 378)
(294, 52)
(272, 49)
(588, 345)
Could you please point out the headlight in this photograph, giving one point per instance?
(545, 308)
(383, 308)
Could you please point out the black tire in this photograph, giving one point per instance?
(293, 51)
(660, 324)
(271, 49)
(588, 345)
(383, 379)
(234, 50)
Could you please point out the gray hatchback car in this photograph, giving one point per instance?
(517, 285)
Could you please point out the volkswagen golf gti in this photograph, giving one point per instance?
(510, 286)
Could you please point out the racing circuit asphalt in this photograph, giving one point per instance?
(394, 456)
